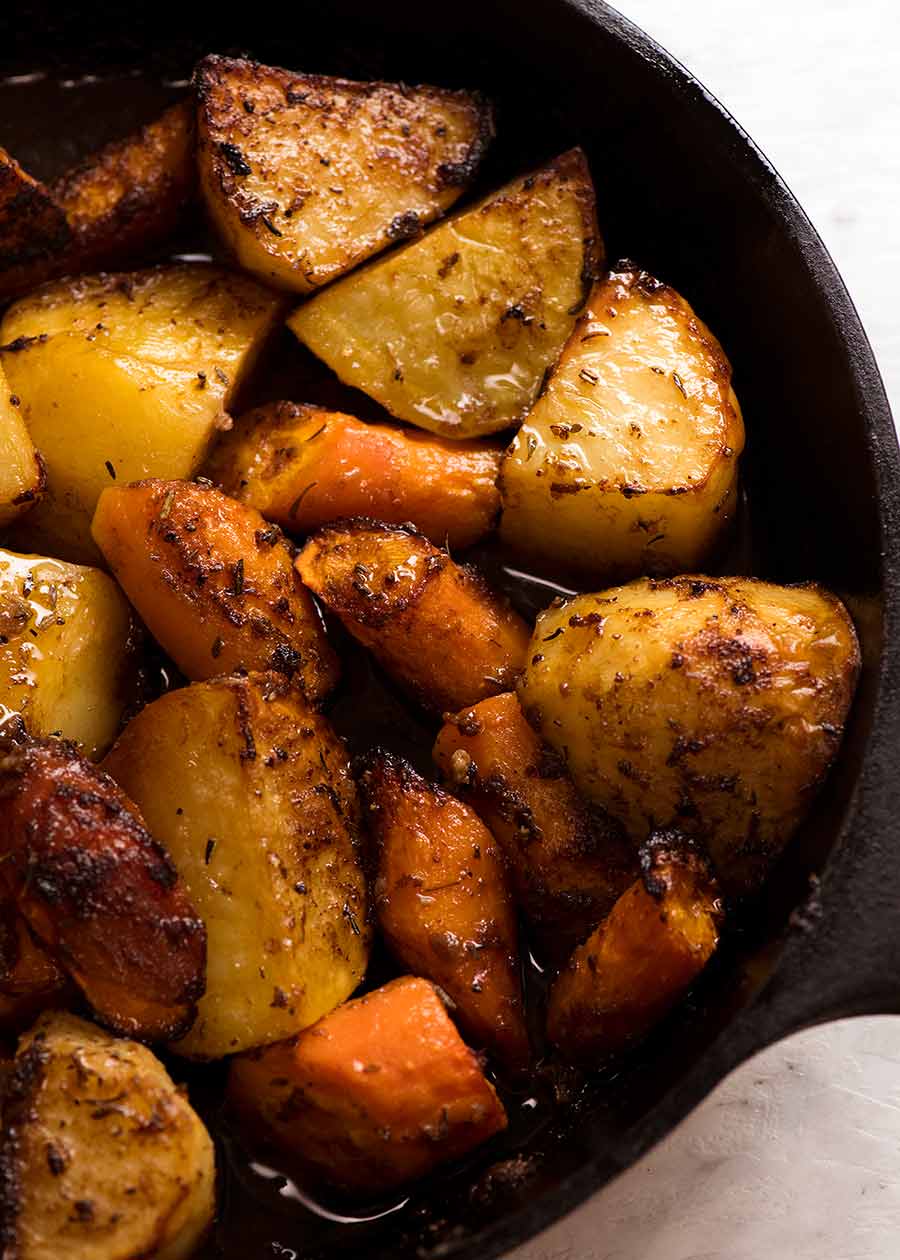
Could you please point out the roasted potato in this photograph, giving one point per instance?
(655, 941)
(568, 862)
(455, 332)
(376, 1094)
(30, 979)
(214, 583)
(433, 625)
(304, 466)
(443, 902)
(97, 890)
(628, 462)
(714, 703)
(22, 475)
(251, 793)
(306, 176)
(102, 1156)
(68, 650)
(142, 366)
(33, 225)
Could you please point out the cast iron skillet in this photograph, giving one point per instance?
(682, 189)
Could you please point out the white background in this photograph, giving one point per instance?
(796, 1156)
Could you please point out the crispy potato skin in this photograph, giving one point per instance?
(68, 650)
(97, 890)
(22, 473)
(30, 979)
(568, 862)
(628, 462)
(443, 902)
(143, 366)
(305, 176)
(432, 624)
(251, 793)
(213, 582)
(453, 333)
(102, 1157)
(304, 466)
(714, 703)
(657, 938)
(377, 1093)
(33, 225)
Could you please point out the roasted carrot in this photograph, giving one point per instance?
(374, 1095)
(432, 624)
(33, 225)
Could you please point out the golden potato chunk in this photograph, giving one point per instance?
(306, 176)
(33, 225)
(377, 1093)
(213, 582)
(655, 941)
(103, 1157)
(434, 625)
(454, 332)
(251, 794)
(628, 462)
(22, 474)
(97, 890)
(716, 704)
(68, 658)
(142, 367)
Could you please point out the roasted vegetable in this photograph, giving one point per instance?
(628, 462)
(22, 473)
(214, 583)
(443, 902)
(306, 176)
(305, 466)
(97, 890)
(714, 703)
(251, 793)
(376, 1094)
(141, 366)
(433, 625)
(33, 225)
(568, 862)
(68, 658)
(30, 979)
(454, 332)
(657, 938)
(102, 1156)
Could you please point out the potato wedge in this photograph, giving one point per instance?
(250, 791)
(716, 704)
(33, 225)
(304, 466)
(68, 650)
(305, 176)
(22, 474)
(377, 1093)
(568, 861)
(97, 890)
(30, 979)
(443, 902)
(213, 582)
(142, 366)
(455, 332)
(628, 462)
(432, 624)
(656, 940)
(103, 1157)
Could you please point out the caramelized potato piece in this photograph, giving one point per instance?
(655, 941)
(33, 225)
(22, 474)
(432, 624)
(142, 366)
(454, 332)
(443, 903)
(628, 462)
(251, 793)
(215, 585)
(376, 1094)
(306, 176)
(97, 890)
(305, 466)
(568, 862)
(716, 704)
(103, 1157)
(30, 979)
(68, 659)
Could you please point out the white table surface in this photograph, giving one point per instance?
(796, 1156)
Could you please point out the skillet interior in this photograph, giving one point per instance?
(682, 191)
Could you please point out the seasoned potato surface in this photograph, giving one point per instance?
(22, 473)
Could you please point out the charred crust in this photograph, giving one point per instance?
(20, 1094)
(668, 849)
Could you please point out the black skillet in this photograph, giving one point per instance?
(682, 189)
